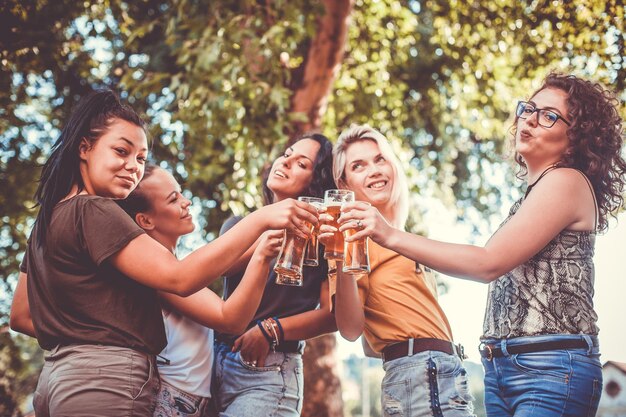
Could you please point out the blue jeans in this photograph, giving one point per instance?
(428, 383)
(547, 383)
(171, 402)
(273, 390)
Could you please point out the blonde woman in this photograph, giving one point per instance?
(539, 345)
(395, 305)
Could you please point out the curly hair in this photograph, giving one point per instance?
(322, 179)
(595, 140)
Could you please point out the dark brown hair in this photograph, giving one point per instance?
(595, 140)
(90, 119)
(137, 201)
(322, 179)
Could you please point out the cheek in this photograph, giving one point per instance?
(354, 182)
(304, 179)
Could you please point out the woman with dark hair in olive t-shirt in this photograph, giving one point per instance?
(90, 273)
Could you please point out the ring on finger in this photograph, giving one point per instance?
(359, 224)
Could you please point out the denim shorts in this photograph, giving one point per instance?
(428, 383)
(172, 402)
(549, 383)
(239, 389)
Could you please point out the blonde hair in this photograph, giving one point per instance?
(399, 193)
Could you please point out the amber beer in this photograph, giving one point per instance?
(334, 250)
(291, 258)
(312, 246)
(356, 255)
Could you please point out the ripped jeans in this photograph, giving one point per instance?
(428, 383)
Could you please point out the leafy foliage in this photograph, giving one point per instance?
(216, 79)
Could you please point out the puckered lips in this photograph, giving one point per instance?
(525, 134)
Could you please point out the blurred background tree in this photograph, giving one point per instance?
(227, 84)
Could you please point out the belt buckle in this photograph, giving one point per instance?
(489, 355)
(486, 351)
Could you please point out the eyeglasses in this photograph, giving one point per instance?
(545, 118)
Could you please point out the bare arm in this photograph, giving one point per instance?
(254, 346)
(20, 319)
(312, 323)
(151, 264)
(349, 311)
(560, 201)
(233, 315)
(240, 264)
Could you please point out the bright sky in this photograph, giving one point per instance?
(465, 301)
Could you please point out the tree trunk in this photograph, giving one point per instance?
(321, 65)
(322, 388)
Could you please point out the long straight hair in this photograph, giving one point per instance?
(400, 191)
(89, 120)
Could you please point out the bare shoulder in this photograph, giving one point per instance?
(563, 181)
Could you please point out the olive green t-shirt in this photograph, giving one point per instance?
(75, 295)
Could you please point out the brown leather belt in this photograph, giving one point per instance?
(413, 346)
(489, 352)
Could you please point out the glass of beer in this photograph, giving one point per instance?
(333, 199)
(356, 258)
(291, 258)
(312, 246)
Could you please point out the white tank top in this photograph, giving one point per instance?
(190, 353)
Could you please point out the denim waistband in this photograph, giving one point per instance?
(287, 346)
(590, 341)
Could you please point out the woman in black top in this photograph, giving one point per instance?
(249, 377)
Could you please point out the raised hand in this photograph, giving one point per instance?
(270, 244)
(291, 214)
(367, 220)
(326, 231)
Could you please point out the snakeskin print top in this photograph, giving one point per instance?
(551, 293)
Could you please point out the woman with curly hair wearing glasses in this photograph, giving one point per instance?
(540, 339)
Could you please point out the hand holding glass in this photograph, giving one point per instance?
(333, 199)
(312, 246)
(291, 258)
(356, 254)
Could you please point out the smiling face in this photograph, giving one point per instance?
(292, 172)
(369, 174)
(114, 164)
(168, 217)
(541, 146)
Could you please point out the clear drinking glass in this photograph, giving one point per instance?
(312, 246)
(356, 258)
(291, 257)
(333, 199)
